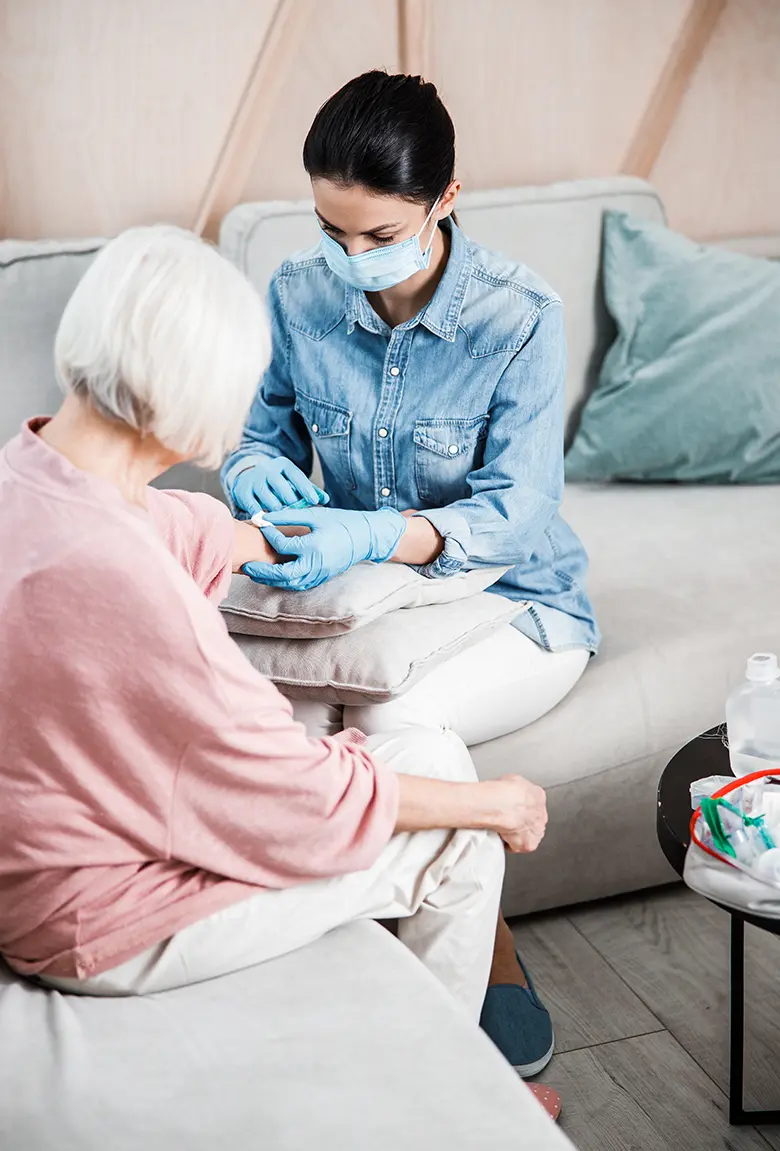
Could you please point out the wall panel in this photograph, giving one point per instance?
(543, 92)
(114, 112)
(346, 38)
(719, 172)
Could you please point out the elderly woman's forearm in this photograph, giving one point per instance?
(251, 546)
(432, 803)
(512, 806)
(420, 543)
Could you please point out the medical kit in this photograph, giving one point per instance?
(734, 852)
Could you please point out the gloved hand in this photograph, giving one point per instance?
(336, 540)
(270, 484)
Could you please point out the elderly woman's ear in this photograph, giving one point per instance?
(167, 337)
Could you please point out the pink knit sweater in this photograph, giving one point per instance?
(148, 775)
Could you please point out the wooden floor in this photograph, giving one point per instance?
(638, 991)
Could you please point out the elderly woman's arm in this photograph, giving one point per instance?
(334, 794)
(205, 539)
(513, 806)
(258, 800)
(251, 546)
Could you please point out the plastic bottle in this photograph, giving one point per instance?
(753, 717)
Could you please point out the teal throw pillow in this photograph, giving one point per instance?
(690, 390)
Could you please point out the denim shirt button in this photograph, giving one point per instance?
(395, 371)
(385, 491)
(315, 428)
(453, 449)
(383, 432)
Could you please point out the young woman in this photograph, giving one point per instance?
(428, 373)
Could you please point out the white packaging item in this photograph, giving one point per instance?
(753, 717)
(706, 788)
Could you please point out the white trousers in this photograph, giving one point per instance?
(500, 685)
(443, 886)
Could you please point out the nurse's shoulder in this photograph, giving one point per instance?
(311, 299)
(504, 302)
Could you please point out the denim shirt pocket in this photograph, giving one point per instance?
(446, 451)
(330, 427)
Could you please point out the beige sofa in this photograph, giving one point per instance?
(350, 1043)
(344, 1045)
(678, 602)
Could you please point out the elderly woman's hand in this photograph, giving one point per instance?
(513, 807)
(521, 808)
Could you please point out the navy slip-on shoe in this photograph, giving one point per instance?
(519, 1024)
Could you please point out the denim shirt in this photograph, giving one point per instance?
(457, 412)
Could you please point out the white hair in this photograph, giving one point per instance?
(166, 336)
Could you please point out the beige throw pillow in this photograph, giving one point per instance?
(352, 600)
(383, 658)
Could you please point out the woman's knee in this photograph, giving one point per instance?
(414, 709)
(494, 855)
(435, 753)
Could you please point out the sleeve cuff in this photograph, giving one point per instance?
(456, 533)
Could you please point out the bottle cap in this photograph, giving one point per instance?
(762, 667)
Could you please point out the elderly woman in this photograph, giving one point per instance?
(164, 818)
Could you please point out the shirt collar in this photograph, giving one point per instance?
(359, 311)
(441, 314)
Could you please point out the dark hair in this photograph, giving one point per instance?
(391, 134)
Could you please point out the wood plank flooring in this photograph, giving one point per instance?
(638, 991)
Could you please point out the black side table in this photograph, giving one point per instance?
(703, 756)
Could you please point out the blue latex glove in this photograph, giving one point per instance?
(271, 484)
(335, 542)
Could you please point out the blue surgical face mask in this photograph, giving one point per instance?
(379, 268)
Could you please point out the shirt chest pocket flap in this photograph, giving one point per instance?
(330, 427)
(445, 452)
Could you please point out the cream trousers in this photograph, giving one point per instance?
(500, 685)
(443, 886)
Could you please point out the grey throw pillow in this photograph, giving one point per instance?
(346, 603)
(382, 659)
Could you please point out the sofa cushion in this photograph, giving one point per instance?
(683, 583)
(36, 281)
(326, 1047)
(352, 600)
(37, 278)
(381, 660)
(690, 390)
